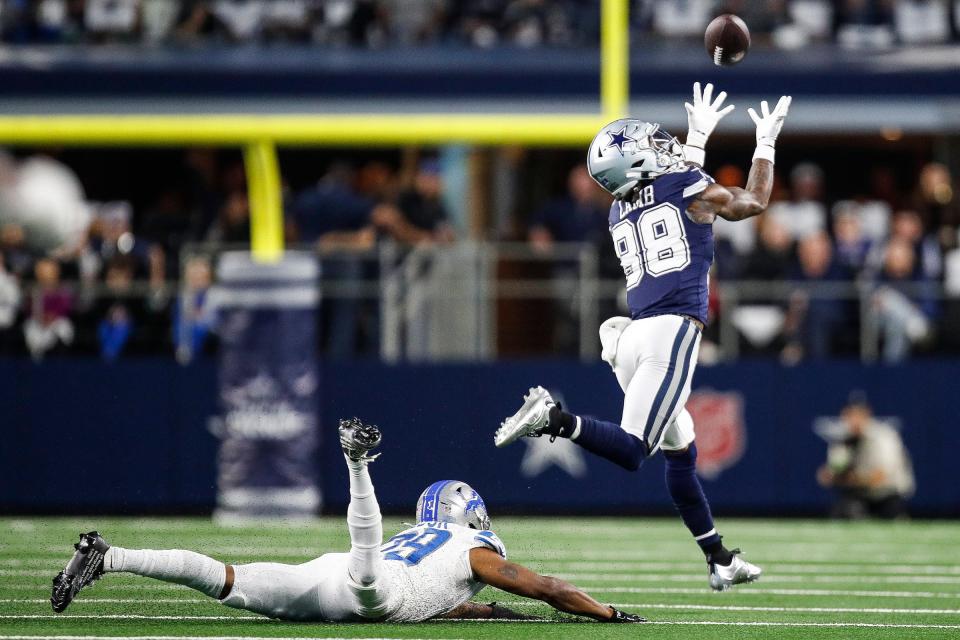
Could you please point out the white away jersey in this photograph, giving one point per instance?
(428, 567)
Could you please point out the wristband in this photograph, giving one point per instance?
(694, 155)
(763, 152)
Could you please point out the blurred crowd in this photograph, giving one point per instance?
(470, 23)
(113, 287)
(814, 278)
(876, 272)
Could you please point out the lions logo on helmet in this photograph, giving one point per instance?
(452, 501)
(627, 151)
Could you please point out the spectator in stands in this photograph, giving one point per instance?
(232, 226)
(49, 328)
(580, 216)
(805, 213)
(868, 466)
(194, 315)
(922, 21)
(814, 317)
(111, 236)
(851, 244)
(13, 244)
(339, 221)
(10, 298)
(733, 242)
(119, 313)
(908, 226)
(773, 259)
(904, 303)
(935, 199)
(865, 23)
(681, 18)
(424, 216)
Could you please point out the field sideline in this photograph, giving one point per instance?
(822, 580)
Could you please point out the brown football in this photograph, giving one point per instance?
(727, 39)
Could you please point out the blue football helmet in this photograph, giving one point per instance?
(627, 151)
(452, 501)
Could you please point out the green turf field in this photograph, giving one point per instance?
(822, 580)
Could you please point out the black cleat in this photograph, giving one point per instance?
(358, 439)
(84, 568)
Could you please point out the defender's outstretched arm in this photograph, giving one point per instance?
(490, 568)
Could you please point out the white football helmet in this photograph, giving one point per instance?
(627, 151)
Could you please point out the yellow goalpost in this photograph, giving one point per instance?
(259, 135)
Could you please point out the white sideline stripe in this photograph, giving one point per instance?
(760, 591)
(669, 577)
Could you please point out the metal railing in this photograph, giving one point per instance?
(484, 300)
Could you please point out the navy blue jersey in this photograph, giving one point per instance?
(664, 254)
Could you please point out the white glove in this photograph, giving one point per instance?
(702, 118)
(768, 126)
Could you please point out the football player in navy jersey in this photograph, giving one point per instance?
(661, 225)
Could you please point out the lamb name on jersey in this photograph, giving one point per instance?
(429, 570)
(665, 255)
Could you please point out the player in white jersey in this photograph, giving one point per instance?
(430, 570)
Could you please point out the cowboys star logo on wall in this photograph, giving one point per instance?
(618, 139)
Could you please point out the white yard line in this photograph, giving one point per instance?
(769, 577)
(530, 603)
(712, 607)
(678, 622)
(129, 616)
(144, 600)
(672, 577)
(753, 590)
(641, 566)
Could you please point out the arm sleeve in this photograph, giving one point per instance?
(695, 182)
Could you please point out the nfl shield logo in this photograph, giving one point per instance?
(721, 435)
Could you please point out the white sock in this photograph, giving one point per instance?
(194, 570)
(365, 525)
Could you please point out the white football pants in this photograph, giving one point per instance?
(654, 359)
(335, 586)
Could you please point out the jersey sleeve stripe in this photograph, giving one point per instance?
(696, 187)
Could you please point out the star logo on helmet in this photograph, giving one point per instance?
(619, 139)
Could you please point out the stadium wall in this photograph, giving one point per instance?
(135, 437)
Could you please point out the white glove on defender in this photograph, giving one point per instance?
(768, 126)
(702, 118)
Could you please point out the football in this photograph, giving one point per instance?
(727, 39)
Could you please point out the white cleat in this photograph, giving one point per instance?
(737, 572)
(532, 418)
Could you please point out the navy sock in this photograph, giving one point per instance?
(684, 486)
(608, 440)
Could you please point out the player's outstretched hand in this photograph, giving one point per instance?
(624, 617)
(770, 123)
(704, 114)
